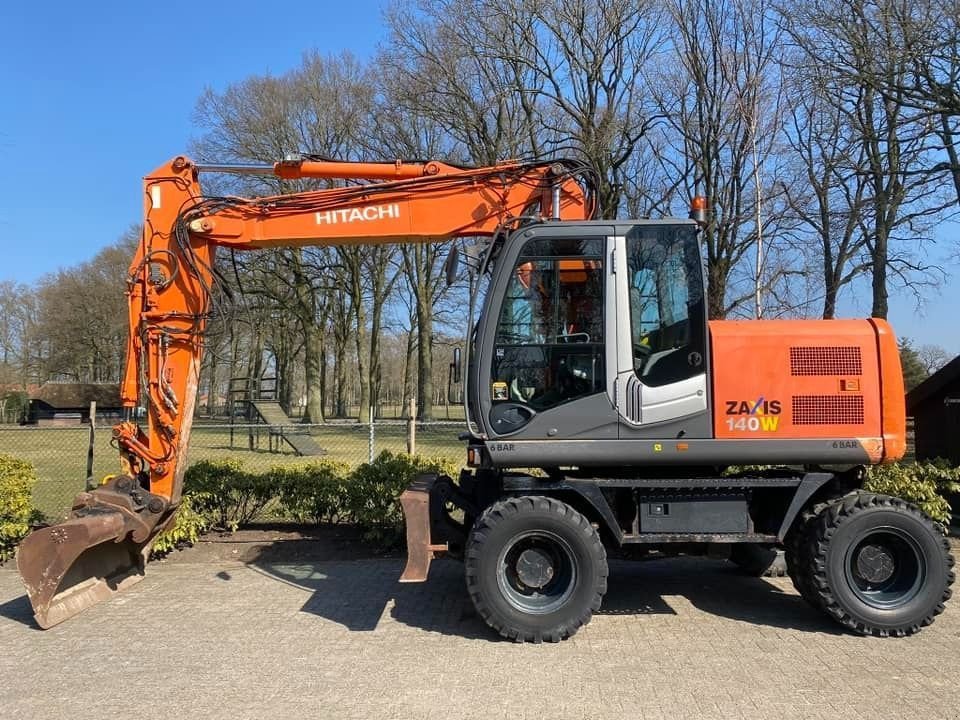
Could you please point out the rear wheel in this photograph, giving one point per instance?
(797, 556)
(878, 565)
(535, 568)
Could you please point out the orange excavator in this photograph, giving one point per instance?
(591, 363)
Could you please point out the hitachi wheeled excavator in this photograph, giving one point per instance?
(605, 413)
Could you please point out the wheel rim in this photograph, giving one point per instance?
(885, 568)
(537, 572)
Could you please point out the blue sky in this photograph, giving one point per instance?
(95, 95)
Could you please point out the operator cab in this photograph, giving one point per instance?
(590, 331)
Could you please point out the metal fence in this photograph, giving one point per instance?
(59, 454)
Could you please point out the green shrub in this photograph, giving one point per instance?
(226, 493)
(374, 489)
(315, 492)
(185, 531)
(16, 505)
(923, 484)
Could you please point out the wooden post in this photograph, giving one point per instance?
(91, 483)
(412, 428)
(371, 440)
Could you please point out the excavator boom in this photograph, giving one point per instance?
(104, 545)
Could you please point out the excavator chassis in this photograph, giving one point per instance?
(537, 547)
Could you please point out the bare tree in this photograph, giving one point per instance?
(829, 198)
(925, 34)
(509, 78)
(851, 41)
(321, 107)
(933, 357)
(15, 301)
(720, 94)
(82, 316)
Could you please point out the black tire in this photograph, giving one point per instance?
(536, 569)
(879, 565)
(759, 560)
(797, 556)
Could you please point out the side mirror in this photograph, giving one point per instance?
(456, 364)
(453, 377)
(452, 265)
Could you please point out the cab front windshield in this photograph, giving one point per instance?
(548, 348)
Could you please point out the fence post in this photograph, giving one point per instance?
(412, 428)
(91, 483)
(371, 441)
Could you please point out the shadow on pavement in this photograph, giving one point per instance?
(356, 594)
(19, 609)
(714, 586)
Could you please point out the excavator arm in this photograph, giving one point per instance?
(104, 545)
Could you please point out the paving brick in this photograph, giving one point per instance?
(687, 638)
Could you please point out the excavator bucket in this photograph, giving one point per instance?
(97, 552)
(71, 566)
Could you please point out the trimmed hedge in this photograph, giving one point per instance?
(224, 494)
(227, 496)
(314, 492)
(16, 505)
(373, 493)
(924, 484)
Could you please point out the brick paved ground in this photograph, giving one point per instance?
(676, 639)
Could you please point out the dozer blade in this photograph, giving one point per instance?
(78, 563)
(420, 507)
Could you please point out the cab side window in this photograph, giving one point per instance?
(666, 304)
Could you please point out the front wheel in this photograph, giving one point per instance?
(535, 568)
(879, 565)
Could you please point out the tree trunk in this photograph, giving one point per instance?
(313, 374)
(879, 262)
(424, 359)
(211, 358)
(717, 273)
(340, 378)
(360, 335)
(375, 374)
(409, 363)
(322, 384)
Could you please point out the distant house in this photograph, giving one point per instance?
(935, 407)
(69, 403)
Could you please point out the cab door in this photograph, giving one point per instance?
(661, 385)
(548, 338)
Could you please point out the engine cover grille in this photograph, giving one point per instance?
(828, 410)
(831, 360)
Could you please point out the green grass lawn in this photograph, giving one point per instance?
(60, 454)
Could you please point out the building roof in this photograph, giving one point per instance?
(934, 385)
(78, 395)
(30, 389)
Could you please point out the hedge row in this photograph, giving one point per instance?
(16, 506)
(223, 494)
(924, 484)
